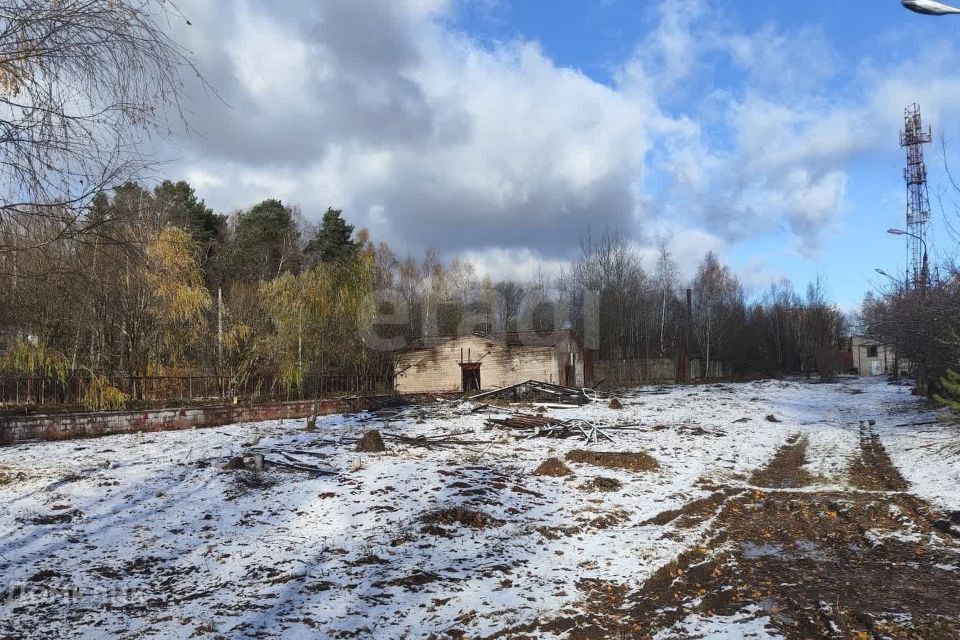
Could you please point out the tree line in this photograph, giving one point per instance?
(158, 284)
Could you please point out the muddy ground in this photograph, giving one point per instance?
(871, 562)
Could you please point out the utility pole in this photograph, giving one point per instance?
(687, 328)
(220, 339)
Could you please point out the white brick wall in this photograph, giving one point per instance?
(437, 370)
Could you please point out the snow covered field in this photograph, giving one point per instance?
(147, 535)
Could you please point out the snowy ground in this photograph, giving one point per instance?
(146, 535)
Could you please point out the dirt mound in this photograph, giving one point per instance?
(553, 467)
(615, 404)
(638, 461)
(457, 516)
(371, 442)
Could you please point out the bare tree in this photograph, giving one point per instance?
(717, 294)
(82, 84)
(509, 299)
(667, 284)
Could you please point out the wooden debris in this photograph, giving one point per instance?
(537, 391)
(437, 440)
(537, 426)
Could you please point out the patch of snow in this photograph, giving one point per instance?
(751, 622)
(152, 524)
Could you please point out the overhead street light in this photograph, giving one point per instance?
(884, 273)
(924, 271)
(929, 7)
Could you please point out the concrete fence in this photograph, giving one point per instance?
(626, 373)
(14, 429)
(635, 372)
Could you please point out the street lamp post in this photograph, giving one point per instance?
(924, 269)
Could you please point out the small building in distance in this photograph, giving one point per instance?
(469, 364)
(873, 358)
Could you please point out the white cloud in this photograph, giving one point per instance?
(498, 153)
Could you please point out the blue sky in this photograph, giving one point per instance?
(499, 130)
(595, 37)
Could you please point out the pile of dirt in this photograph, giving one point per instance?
(457, 517)
(638, 461)
(615, 404)
(371, 442)
(553, 467)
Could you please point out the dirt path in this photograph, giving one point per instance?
(869, 563)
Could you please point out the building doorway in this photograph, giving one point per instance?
(470, 376)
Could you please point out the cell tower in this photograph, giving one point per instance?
(913, 137)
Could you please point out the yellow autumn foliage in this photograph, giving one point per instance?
(103, 396)
(316, 315)
(34, 360)
(179, 298)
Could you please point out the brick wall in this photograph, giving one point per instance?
(15, 429)
(438, 369)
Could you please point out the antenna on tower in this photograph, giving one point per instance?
(913, 137)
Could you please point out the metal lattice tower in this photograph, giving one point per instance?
(913, 137)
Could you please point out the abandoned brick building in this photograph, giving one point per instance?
(453, 364)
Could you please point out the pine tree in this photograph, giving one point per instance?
(949, 398)
(188, 212)
(333, 240)
(266, 241)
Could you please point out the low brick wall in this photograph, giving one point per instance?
(14, 429)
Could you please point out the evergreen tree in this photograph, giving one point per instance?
(949, 396)
(188, 212)
(333, 240)
(266, 241)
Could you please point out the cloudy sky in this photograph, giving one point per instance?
(502, 130)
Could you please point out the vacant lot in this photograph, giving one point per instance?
(765, 510)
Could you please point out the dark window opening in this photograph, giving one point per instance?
(872, 352)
